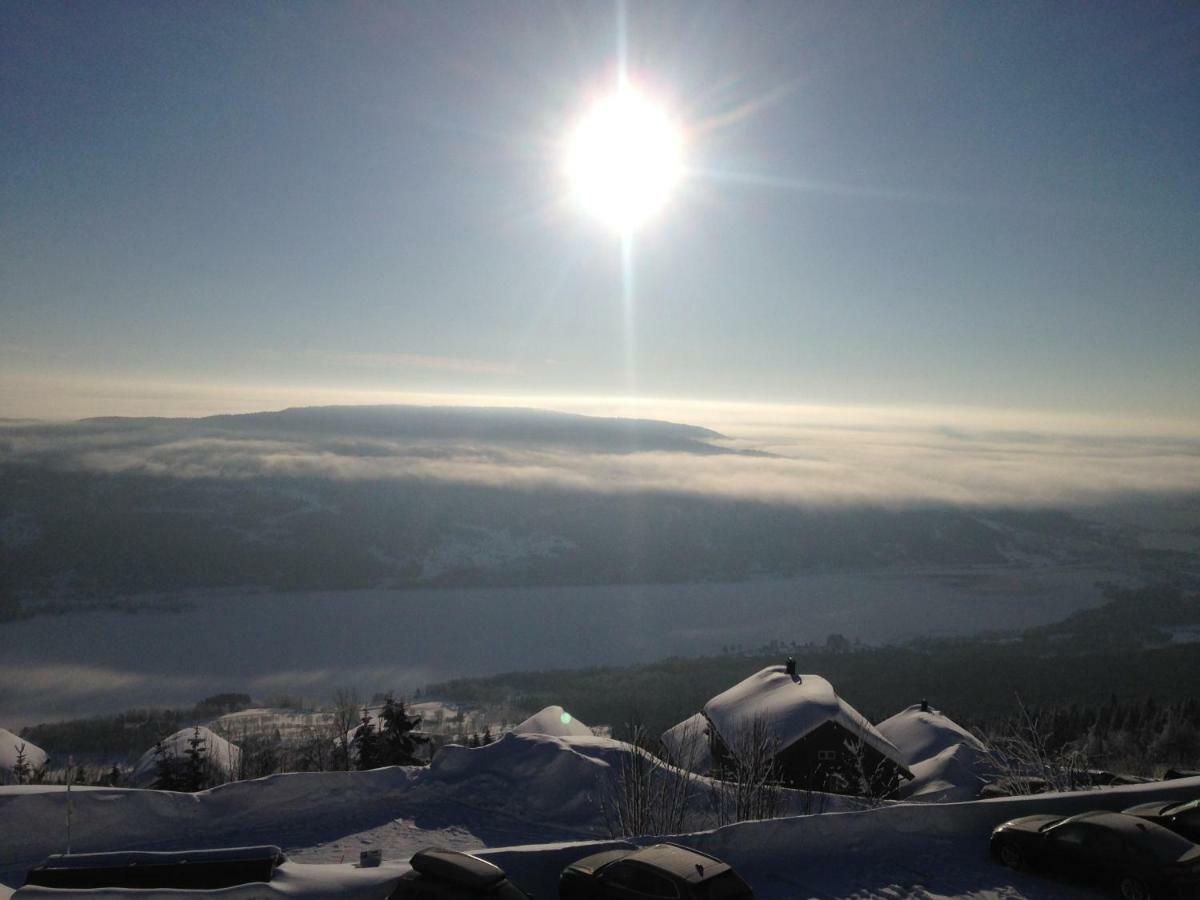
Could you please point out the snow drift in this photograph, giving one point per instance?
(948, 763)
(921, 732)
(531, 783)
(687, 744)
(553, 720)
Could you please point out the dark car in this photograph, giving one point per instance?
(439, 874)
(1137, 857)
(658, 872)
(183, 869)
(1181, 816)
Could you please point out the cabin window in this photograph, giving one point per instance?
(826, 755)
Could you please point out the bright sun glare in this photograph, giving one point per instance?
(624, 159)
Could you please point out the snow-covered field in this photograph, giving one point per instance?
(537, 790)
(311, 643)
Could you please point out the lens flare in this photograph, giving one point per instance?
(624, 160)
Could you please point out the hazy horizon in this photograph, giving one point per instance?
(943, 205)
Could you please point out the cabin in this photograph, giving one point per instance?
(817, 740)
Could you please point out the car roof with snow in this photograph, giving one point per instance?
(458, 867)
(682, 862)
(1163, 842)
(792, 706)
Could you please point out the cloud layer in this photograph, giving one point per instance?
(814, 457)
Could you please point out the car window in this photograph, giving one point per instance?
(618, 874)
(509, 891)
(1104, 843)
(1189, 811)
(1070, 835)
(726, 886)
(651, 884)
(641, 880)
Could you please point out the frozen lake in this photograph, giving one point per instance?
(311, 643)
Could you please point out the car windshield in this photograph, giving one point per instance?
(1186, 807)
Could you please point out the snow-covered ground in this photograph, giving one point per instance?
(538, 790)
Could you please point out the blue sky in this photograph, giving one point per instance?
(986, 205)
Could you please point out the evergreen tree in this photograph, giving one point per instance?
(487, 736)
(22, 770)
(166, 777)
(366, 743)
(195, 773)
(398, 743)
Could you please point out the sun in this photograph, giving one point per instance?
(624, 160)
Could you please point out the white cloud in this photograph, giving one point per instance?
(820, 456)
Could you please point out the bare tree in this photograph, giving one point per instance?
(750, 786)
(871, 784)
(1022, 760)
(314, 751)
(346, 717)
(648, 796)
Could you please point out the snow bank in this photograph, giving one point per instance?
(528, 782)
(289, 880)
(904, 849)
(9, 745)
(954, 775)
(791, 706)
(224, 757)
(948, 763)
(282, 809)
(553, 720)
(537, 777)
(688, 744)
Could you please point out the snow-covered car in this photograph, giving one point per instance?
(660, 872)
(1139, 858)
(439, 874)
(182, 869)
(1181, 816)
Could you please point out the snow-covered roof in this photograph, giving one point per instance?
(554, 721)
(924, 733)
(218, 752)
(9, 744)
(687, 744)
(953, 775)
(791, 706)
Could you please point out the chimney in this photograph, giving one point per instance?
(790, 666)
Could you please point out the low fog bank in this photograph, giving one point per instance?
(814, 459)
